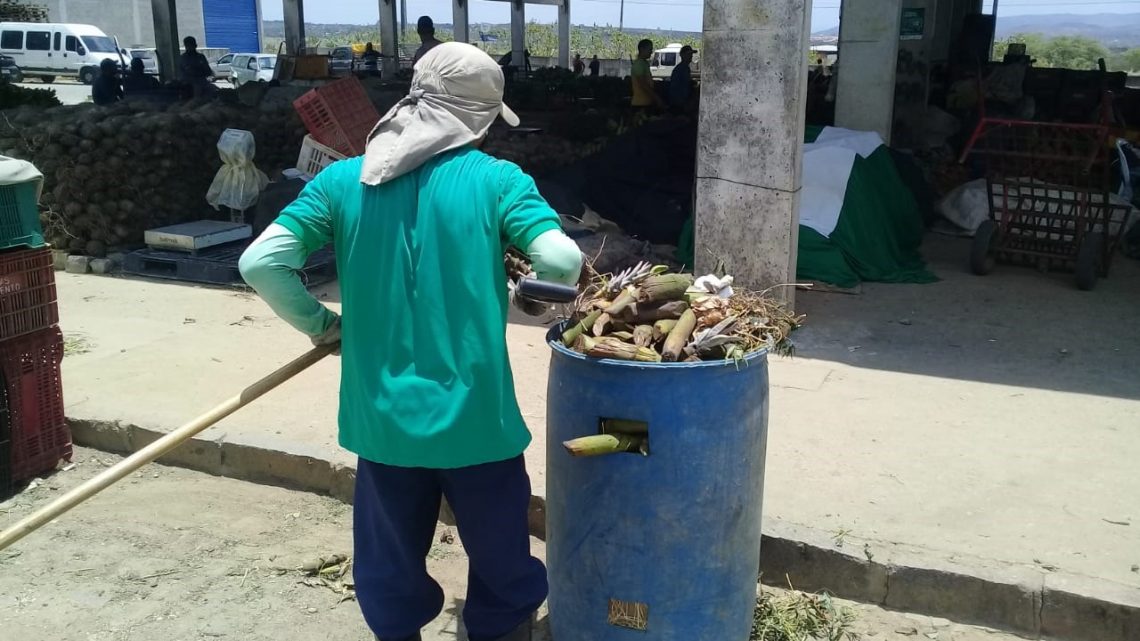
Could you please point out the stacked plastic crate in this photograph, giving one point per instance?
(339, 116)
(34, 435)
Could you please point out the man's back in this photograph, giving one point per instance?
(680, 85)
(106, 90)
(425, 381)
(194, 66)
(427, 46)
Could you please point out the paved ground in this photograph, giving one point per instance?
(69, 92)
(986, 421)
(176, 555)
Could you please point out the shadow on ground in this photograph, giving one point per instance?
(1017, 326)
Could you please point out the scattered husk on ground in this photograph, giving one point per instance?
(798, 616)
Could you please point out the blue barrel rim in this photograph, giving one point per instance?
(554, 340)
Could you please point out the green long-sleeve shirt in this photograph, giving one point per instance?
(425, 379)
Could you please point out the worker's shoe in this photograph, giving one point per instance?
(415, 637)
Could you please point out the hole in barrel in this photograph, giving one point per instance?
(615, 436)
(637, 433)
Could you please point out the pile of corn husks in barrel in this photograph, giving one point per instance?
(647, 314)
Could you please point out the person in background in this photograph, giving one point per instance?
(137, 81)
(106, 89)
(507, 62)
(426, 30)
(371, 60)
(420, 224)
(644, 95)
(526, 61)
(681, 81)
(579, 66)
(595, 67)
(195, 69)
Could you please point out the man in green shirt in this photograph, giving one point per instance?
(419, 225)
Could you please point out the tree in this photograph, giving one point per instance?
(17, 11)
(1073, 52)
(1069, 52)
(1125, 61)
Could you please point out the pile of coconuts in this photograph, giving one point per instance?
(111, 173)
(539, 154)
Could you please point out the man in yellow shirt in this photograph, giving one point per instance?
(644, 95)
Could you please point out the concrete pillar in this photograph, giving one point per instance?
(166, 44)
(750, 145)
(518, 33)
(294, 26)
(564, 34)
(389, 40)
(460, 22)
(868, 57)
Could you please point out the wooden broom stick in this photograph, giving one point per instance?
(116, 473)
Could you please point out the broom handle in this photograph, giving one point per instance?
(50, 512)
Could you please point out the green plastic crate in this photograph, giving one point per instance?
(20, 216)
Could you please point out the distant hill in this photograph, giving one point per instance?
(1113, 30)
(276, 29)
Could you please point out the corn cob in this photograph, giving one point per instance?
(679, 336)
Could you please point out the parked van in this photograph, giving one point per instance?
(252, 67)
(47, 50)
(665, 59)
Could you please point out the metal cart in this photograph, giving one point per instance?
(1049, 197)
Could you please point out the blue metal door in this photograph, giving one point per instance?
(231, 24)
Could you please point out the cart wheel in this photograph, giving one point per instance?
(984, 247)
(1089, 258)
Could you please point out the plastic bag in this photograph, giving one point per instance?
(238, 183)
(967, 205)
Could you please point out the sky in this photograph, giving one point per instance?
(681, 15)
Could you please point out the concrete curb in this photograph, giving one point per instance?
(1018, 599)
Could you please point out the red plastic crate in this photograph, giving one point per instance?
(339, 115)
(38, 428)
(27, 292)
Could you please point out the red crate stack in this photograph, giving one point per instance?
(339, 115)
(34, 434)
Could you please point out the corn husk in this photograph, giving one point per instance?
(664, 287)
(642, 335)
(618, 350)
(662, 328)
(654, 311)
(626, 298)
(570, 336)
(602, 325)
(602, 444)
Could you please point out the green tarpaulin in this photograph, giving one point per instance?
(877, 236)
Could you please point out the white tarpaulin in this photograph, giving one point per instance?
(14, 171)
(827, 168)
(238, 183)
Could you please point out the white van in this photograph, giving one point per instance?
(47, 50)
(252, 67)
(664, 60)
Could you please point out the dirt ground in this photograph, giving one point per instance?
(175, 555)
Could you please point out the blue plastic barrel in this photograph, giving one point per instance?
(664, 547)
